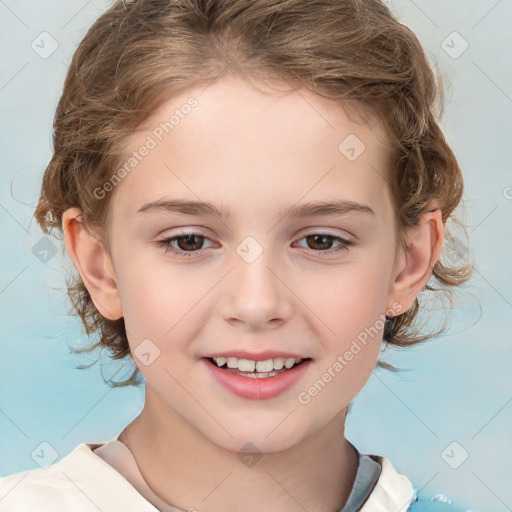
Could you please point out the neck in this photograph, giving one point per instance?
(185, 469)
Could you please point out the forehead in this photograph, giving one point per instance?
(230, 142)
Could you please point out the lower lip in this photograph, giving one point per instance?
(256, 388)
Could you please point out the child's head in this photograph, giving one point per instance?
(255, 107)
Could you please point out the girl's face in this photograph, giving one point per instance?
(280, 274)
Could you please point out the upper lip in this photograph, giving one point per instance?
(252, 356)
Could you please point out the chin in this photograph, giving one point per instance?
(260, 438)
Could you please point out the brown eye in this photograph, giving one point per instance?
(322, 242)
(189, 242)
(184, 245)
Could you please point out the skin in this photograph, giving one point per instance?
(256, 153)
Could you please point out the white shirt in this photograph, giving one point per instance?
(84, 481)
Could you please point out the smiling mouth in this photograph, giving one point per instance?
(269, 368)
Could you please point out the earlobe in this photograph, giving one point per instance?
(93, 264)
(416, 262)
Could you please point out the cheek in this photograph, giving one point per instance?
(156, 300)
(350, 305)
(349, 297)
(347, 363)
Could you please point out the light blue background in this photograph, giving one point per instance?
(458, 388)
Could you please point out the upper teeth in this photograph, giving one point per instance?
(247, 365)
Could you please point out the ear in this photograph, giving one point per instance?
(93, 264)
(414, 264)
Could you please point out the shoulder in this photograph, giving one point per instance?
(81, 481)
(395, 492)
(50, 486)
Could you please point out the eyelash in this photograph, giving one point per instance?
(166, 244)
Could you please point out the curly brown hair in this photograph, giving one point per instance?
(140, 52)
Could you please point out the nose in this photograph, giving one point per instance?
(255, 296)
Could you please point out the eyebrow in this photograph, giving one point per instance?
(311, 209)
